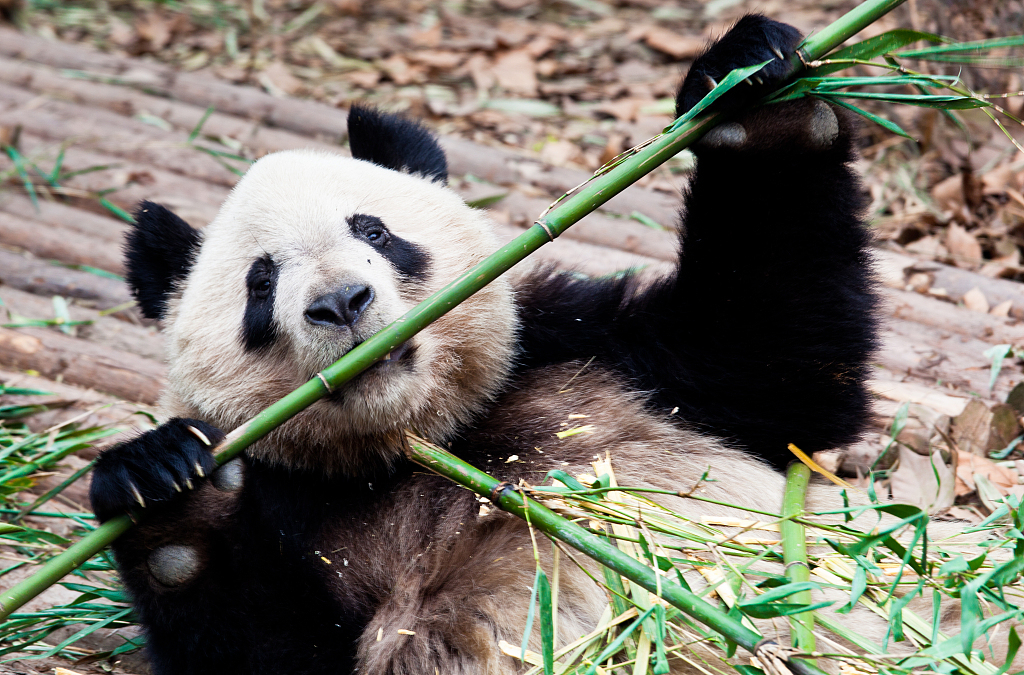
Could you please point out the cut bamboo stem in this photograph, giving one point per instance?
(794, 552)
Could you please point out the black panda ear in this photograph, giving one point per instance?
(395, 142)
(159, 251)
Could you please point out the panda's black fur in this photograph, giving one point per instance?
(761, 338)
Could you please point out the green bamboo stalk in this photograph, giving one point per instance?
(508, 498)
(794, 552)
(586, 199)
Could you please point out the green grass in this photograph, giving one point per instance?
(27, 537)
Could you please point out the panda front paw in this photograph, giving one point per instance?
(754, 39)
(153, 468)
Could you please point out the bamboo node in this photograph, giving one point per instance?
(327, 385)
(498, 489)
(547, 229)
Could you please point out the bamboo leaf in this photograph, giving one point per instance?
(937, 101)
(880, 121)
(884, 43)
(728, 82)
(532, 610)
(547, 630)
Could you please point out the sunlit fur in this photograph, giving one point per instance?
(293, 206)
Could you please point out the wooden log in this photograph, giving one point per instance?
(195, 201)
(72, 401)
(951, 318)
(43, 278)
(129, 102)
(65, 216)
(58, 243)
(326, 123)
(932, 355)
(109, 133)
(955, 282)
(53, 355)
(115, 334)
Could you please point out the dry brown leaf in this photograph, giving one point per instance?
(516, 72)
(480, 69)
(923, 481)
(367, 79)
(964, 248)
(1002, 309)
(155, 30)
(437, 58)
(559, 153)
(673, 44)
(1002, 478)
(401, 71)
(949, 193)
(928, 247)
(277, 79)
(625, 109)
(975, 300)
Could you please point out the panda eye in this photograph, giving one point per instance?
(261, 288)
(370, 229)
(377, 236)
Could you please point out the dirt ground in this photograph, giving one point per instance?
(530, 96)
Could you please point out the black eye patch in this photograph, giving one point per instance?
(407, 258)
(258, 328)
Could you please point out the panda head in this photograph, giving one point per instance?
(311, 254)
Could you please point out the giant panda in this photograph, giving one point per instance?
(309, 554)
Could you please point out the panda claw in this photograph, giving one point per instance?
(188, 483)
(199, 470)
(177, 488)
(710, 81)
(201, 436)
(138, 496)
(778, 54)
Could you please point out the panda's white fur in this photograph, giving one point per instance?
(294, 205)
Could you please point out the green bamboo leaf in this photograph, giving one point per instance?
(616, 645)
(728, 82)
(970, 53)
(996, 355)
(779, 609)
(880, 121)
(885, 43)
(547, 626)
(88, 630)
(1013, 646)
(63, 315)
(937, 101)
(485, 202)
(530, 612)
(660, 655)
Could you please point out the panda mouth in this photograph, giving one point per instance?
(399, 353)
(399, 357)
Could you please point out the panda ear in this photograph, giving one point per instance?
(395, 142)
(159, 251)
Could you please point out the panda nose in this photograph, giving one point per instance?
(343, 307)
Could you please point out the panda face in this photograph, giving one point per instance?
(310, 255)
